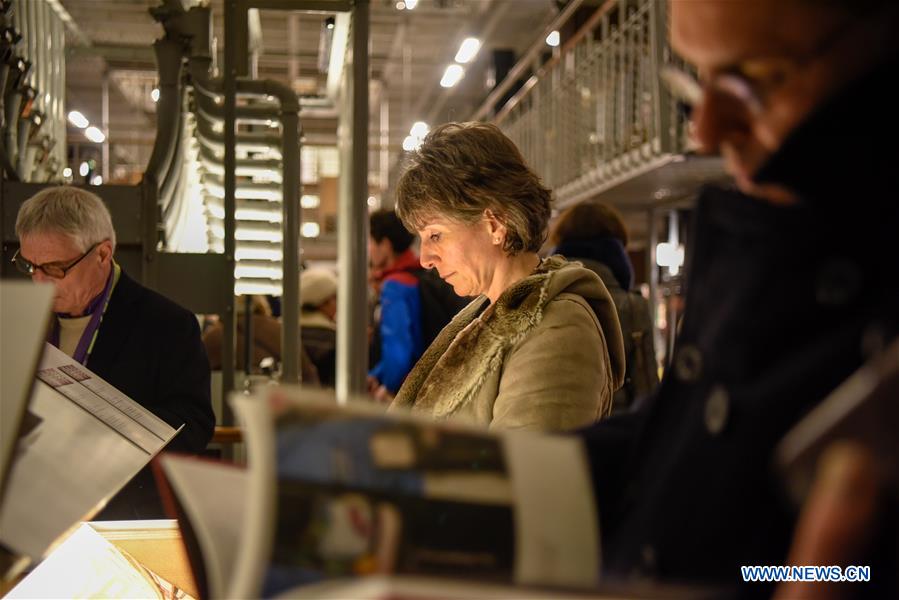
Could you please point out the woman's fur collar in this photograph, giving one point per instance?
(454, 367)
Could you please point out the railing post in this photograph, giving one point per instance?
(658, 30)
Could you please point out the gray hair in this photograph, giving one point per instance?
(73, 211)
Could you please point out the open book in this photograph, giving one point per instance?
(336, 491)
(89, 440)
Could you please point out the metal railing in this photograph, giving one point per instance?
(596, 115)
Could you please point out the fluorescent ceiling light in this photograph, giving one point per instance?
(419, 130)
(309, 230)
(670, 255)
(468, 50)
(94, 135)
(78, 120)
(452, 75)
(411, 143)
(553, 39)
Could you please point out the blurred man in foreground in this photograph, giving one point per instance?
(791, 288)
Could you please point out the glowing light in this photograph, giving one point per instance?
(553, 39)
(310, 230)
(97, 180)
(154, 95)
(84, 169)
(419, 129)
(468, 50)
(411, 143)
(94, 135)
(451, 76)
(411, 4)
(78, 120)
(67, 172)
(671, 256)
(257, 271)
(256, 253)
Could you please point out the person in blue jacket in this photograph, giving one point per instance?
(398, 335)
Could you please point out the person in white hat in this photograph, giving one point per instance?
(318, 327)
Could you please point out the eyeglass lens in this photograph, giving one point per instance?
(26, 267)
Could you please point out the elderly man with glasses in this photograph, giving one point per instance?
(792, 285)
(142, 343)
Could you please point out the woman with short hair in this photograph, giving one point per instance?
(540, 347)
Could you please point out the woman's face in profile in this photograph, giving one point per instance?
(464, 254)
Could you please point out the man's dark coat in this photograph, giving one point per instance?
(783, 304)
(149, 348)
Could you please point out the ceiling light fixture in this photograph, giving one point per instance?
(78, 120)
(94, 135)
(468, 50)
(419, 129)
(452, 75)
(310, 229)
(553, 39)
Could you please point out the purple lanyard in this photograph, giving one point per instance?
(96, 308)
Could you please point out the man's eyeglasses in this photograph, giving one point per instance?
(750, 82)
(56, 270)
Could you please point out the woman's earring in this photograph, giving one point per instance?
(495, 240)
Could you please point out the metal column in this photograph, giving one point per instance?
(230, 89)
(352, 250)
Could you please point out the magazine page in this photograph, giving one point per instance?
(557, 541)
(258, 522)
(412, 587)
(361, 491)
(85, 565)
(212, 497)
(55, 481)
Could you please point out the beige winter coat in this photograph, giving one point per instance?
(547, 355)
